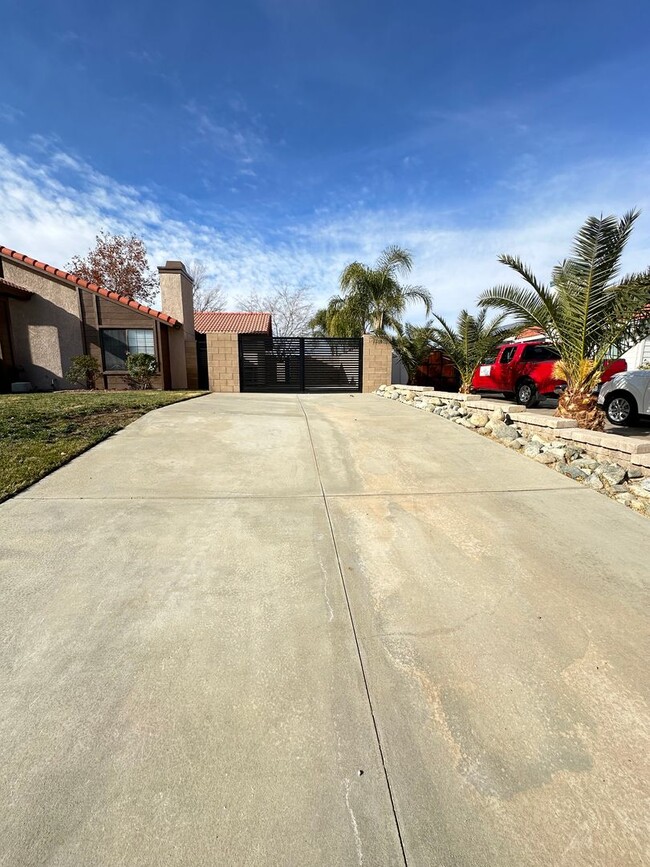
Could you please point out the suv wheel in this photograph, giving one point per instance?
(527, 393)
(620, 408)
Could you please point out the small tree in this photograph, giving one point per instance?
(119, 263)
(83, 371)
(413, 345)
(203, 297)
(141, 369)
(471, 341)
(291, 309)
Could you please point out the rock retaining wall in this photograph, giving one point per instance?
(584, 456)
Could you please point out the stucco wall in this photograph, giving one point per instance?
(176, 288)
(191, 363)
(46, 330)
(177, 361)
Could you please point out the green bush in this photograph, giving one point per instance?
(84, 370)
(141, 369)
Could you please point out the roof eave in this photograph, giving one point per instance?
(74, 280)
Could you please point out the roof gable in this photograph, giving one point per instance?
(73, 280)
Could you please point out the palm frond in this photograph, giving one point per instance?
(352, 276)
(524, 272)
(394, 259)
(524, 305)
(418, 293)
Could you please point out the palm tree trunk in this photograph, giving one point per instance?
(580, 405)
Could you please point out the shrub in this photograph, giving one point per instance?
(83, 371)
(141, 369)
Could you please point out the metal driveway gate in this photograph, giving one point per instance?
(290, 364)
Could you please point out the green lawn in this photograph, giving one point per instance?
(40, 432)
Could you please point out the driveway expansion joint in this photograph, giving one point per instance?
(356, 639)
(191, 498)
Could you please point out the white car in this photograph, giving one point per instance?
(626, 396)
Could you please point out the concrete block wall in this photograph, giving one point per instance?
(223, 362)
(377, 362)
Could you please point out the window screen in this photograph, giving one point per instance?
(120, 342)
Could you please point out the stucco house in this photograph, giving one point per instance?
(47, 316)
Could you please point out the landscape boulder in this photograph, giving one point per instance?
(503, 431)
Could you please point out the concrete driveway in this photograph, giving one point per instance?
(315, 630)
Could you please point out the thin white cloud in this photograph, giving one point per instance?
(238, 140)
(9, 113)
(53, 206)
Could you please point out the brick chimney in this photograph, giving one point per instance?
(176, 288)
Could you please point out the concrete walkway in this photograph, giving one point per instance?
(315, 630)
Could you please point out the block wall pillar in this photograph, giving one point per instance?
(377, 362)
(223, 362)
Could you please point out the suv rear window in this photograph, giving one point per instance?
(508, 354)
(540, 353)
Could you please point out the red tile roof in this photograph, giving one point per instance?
(85, 284)
(535, 331)
(239, 323)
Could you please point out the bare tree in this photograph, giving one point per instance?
(203, 297)
(291, 309)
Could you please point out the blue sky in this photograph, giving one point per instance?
(277, 140)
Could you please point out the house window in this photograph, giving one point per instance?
(120, 342)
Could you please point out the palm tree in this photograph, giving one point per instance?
(374, 299)
(413, 345)
(343, 317)
(318, 324)
(585, 310)
(473, 340)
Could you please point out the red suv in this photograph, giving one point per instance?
(523, 370)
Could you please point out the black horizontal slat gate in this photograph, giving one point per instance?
(270, 363)
(292, 364)
(332, 364)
